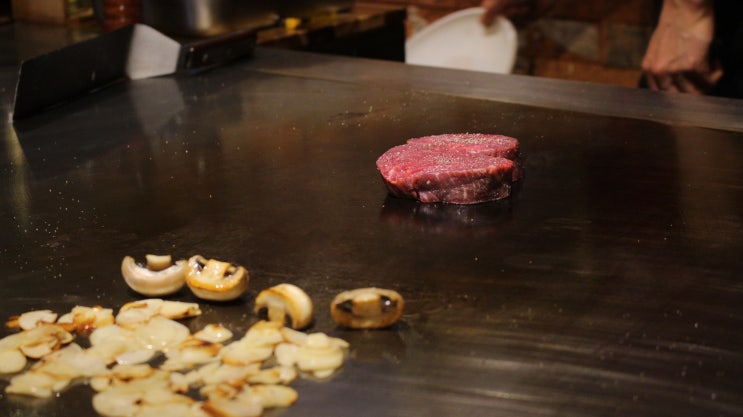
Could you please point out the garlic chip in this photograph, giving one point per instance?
(31, 319)
(242, 378)
(214, 333)
(12, 361)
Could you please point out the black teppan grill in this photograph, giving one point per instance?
(607, 285)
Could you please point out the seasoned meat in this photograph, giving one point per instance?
(436, 173)
(493, 145)
(456, 168)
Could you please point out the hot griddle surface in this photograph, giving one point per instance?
(607, 285)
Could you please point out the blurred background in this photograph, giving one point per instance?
(599, 41)
(588, 40)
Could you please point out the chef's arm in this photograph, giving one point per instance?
(678, 55)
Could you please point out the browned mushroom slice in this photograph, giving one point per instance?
(367, 308)
(215, 280)
(159, 277)
(285, 303)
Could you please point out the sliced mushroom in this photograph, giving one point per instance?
(367, 308)
(159, 277)
(285, 303)
(216, 280)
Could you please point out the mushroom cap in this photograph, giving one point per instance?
(286, 301)
(153, 282)
(367, 308)
(216, 280)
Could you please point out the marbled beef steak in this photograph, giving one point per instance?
(457, 168)
(493, 145)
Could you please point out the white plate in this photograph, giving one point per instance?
(458, 40)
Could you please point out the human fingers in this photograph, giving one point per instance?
(668, 83)
(661, 82)
(519, 11)
(651, 81)
(688, 83)
(493, 8)
(697, 82)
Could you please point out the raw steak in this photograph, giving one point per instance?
(493, 145)
(459, 169)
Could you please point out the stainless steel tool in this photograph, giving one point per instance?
(130, 53)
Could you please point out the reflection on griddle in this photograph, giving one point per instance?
(484, 218)
(50, 152)
(52, 147)
(377, 346)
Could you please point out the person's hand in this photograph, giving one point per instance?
(519, 11)
(678, 56)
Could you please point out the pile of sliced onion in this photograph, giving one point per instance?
(233, 376)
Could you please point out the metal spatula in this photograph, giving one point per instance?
(133, 52)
